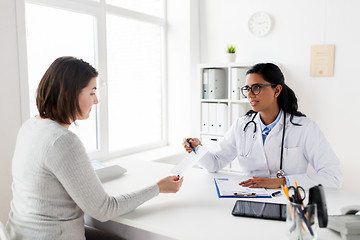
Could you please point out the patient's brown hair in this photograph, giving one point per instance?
(58, 91)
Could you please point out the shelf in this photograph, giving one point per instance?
(224, 101)
(217, 115)
(240, 101)
(215, 100)
(212, 134)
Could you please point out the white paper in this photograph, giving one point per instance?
(189, 161)
(230, 186)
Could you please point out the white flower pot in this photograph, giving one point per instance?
(231, 57)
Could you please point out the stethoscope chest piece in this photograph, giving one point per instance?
(280, 173)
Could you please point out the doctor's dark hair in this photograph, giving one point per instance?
(58, 91)
(287, 99)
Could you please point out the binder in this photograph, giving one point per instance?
(205, 117)
(230, 188)
(211, 79)
(235, 85)
(212, 118)
(205, 84)
(222, 118)
(217, 83)
(238, 76)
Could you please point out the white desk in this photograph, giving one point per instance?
(196, 212)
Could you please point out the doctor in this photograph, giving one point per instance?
(274, 143)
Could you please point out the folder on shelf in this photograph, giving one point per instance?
(222, 118)
(235, 85)
(230, 188)
(238, 76)
(205, 84)
(217, 83)
(212, 118)
(211, 79)
(205, 117)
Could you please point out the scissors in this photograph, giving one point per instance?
(298, 194)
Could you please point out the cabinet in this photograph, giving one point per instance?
(221, 101)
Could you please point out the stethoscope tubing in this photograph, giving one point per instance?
(282, 140)
(252, 121)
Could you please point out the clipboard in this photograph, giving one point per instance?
(230, 188)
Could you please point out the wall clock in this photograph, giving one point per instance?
(260, 24)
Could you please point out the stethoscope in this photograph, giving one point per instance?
(279, 173)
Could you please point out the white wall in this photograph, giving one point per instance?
(9, 101)
(332, 102)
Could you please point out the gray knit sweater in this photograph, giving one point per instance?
(54, 184)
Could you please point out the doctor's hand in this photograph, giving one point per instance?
(194, 142)
(259, 182)
(170, 184)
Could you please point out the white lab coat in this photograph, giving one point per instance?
(303, 146)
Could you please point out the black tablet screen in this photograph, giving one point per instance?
(275, 211)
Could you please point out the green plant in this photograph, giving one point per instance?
(231, 49)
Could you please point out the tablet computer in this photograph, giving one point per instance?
(266, 210)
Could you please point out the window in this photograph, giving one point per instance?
(151, 7)
(136, 65)
(47, 40)
(125, 41)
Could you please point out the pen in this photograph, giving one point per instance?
(302, 215)
(277, 193)
(306, 214)
(286, 191)
(191, 146)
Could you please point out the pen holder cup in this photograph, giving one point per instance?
(301, 223)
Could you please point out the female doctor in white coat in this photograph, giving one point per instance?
(274, 142)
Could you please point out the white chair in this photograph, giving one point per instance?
(3, 233)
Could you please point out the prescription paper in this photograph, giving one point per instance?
(189, 161)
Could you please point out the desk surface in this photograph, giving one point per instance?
(196, 212)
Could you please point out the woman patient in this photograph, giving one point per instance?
(53, 180)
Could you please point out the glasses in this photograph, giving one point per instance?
(255, 89)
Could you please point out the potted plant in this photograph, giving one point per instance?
(231, 56)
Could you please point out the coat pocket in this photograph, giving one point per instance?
(292, 160)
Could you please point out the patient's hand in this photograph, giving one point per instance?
(170, 184)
